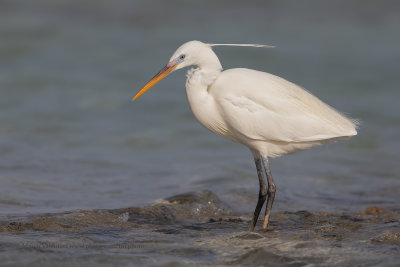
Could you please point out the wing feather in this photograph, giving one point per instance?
(261, 106)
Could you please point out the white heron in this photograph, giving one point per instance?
(266, 113)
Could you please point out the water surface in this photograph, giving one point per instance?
(71, 140)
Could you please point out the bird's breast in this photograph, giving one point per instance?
(204, 106)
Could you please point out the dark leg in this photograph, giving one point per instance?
(271, 192)
(262, 195)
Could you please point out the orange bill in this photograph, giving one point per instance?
(158, 77)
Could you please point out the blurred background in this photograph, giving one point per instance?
(70, 138)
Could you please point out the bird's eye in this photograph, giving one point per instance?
(182, 56)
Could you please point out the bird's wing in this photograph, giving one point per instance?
(262, 106)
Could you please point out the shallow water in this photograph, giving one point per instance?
(71, 140)
(197, 228)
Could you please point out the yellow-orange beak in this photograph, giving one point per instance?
(158, 77)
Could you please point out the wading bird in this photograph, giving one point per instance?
(268, 114)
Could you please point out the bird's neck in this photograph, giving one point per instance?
(200, 79)
(208, 69)
(201, 101)
(209, 63)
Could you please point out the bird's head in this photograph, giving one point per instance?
(193, 53)
(188, 54)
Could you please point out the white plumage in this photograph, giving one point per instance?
(268, 114)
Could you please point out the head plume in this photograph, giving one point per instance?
(250, 45)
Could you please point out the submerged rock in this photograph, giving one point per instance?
(196, 207)
(198, 226)
(203, 211)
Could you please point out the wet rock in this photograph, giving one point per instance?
(201, 206)
(203, 213)
(373, 210)
(250, 236)
(202, 197)
(263, 257)
(388, 239)
(197, 207)
(78, 221)
(12, 227)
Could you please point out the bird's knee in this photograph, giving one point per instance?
(263, 192)
(262, 195)
(271, 189)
